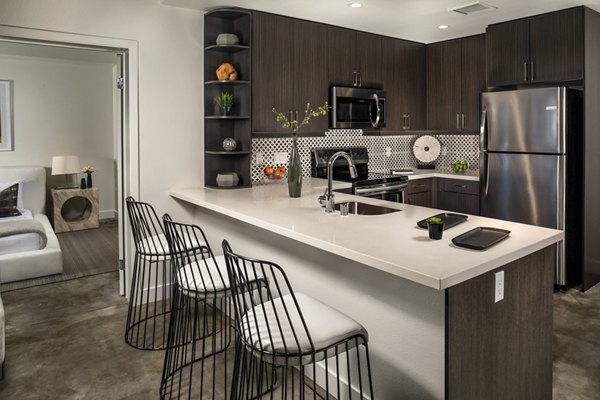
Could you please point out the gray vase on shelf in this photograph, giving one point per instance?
(295, 170)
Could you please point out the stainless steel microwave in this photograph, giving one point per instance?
(357, 107)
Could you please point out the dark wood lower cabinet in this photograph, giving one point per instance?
(453, 195)
(503, 350)
(458, 202)
(423, 199)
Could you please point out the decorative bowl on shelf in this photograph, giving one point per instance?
(227, 179)
(229, 144)
(227, 39)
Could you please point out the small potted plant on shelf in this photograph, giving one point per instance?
(435, 226)
(88, 170)
(224, 101)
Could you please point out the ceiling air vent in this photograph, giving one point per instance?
(472, 8)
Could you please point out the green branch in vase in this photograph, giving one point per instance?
(291, 122)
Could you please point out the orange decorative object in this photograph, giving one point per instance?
(226, 72)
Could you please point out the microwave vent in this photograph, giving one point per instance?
(472, 8)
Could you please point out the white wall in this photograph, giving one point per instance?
(170, 79)
(63, 107)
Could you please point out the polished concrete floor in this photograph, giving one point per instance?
(65, 341)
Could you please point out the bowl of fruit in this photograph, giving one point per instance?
(459, 166)
(275, 173)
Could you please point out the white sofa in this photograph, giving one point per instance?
(36, 263)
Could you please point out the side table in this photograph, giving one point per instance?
(75, 209)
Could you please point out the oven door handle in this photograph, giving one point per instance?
(378, 116)
(375, 191)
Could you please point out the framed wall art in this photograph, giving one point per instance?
(6, 114)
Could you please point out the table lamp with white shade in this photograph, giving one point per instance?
(66, 165)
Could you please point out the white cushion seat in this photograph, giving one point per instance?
(269, 330)
(158, 246)
(204, 276)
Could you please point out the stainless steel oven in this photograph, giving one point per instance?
(367, 184)
(357, 107)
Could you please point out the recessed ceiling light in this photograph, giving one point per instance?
(355, 5)
(443, 27)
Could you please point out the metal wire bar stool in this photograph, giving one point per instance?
(318, 351)
(201, 329)
(150, 295)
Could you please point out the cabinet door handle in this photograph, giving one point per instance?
(457, 121)
(462, 122)
(460, 186)
(532, 72)
(525, 70)
(420, 186)
(408, 121)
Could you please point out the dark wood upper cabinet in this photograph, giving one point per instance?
(455, 80)
(473, 80)
(557, 46)
(403, 64)
(272, 70)
(368, 59)
(507, 53)
(311, 84)
(542, 49)
(341, 55)
(444, 85)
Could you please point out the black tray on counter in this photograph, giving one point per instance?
(481, 238)
(449, 220)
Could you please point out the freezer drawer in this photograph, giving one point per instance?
(526, 188)
(525, 121)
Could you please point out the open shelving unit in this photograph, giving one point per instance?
(237, 125)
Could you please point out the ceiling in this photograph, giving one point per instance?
(407, 19)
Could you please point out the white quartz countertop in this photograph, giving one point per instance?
(391, 242)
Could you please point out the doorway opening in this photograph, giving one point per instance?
(85, 92)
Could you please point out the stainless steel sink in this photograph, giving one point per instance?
(358, 208)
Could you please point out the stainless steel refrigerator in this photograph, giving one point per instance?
(526, 165)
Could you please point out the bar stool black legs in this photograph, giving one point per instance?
(150, 298)
(196, 363)
(150, 295)
(318, 351)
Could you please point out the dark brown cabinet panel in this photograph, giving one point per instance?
(272, 69)
(458, 195)
(557, 46)
(444, 85)
(341, 55)
(507, 53)
(473, 80)
(310, 60)
(420, 192)
(368, 59)
(404, 84)
(543, 49)
(455, 79)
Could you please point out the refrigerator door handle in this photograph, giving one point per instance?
(484, 174)
(483, 130)
(483, 170)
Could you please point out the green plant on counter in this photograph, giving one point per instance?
(224, 99)
(434, 220)
(291, 122)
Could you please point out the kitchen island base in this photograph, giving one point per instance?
(424, 343)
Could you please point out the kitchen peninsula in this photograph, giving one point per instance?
(435, 330)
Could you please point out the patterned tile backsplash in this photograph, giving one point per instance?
(454, 147)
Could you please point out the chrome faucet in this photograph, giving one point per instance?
(327, 199)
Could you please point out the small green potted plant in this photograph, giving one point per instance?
(435, 226)
(224, 101)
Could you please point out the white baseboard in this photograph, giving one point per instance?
(108, 214)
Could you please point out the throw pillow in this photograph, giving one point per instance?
(9, 201)
(7, 184)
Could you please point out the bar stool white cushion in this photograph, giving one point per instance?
(208, 276)
(270, 330)
(157, 245)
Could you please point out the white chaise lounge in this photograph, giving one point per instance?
(35, 263)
